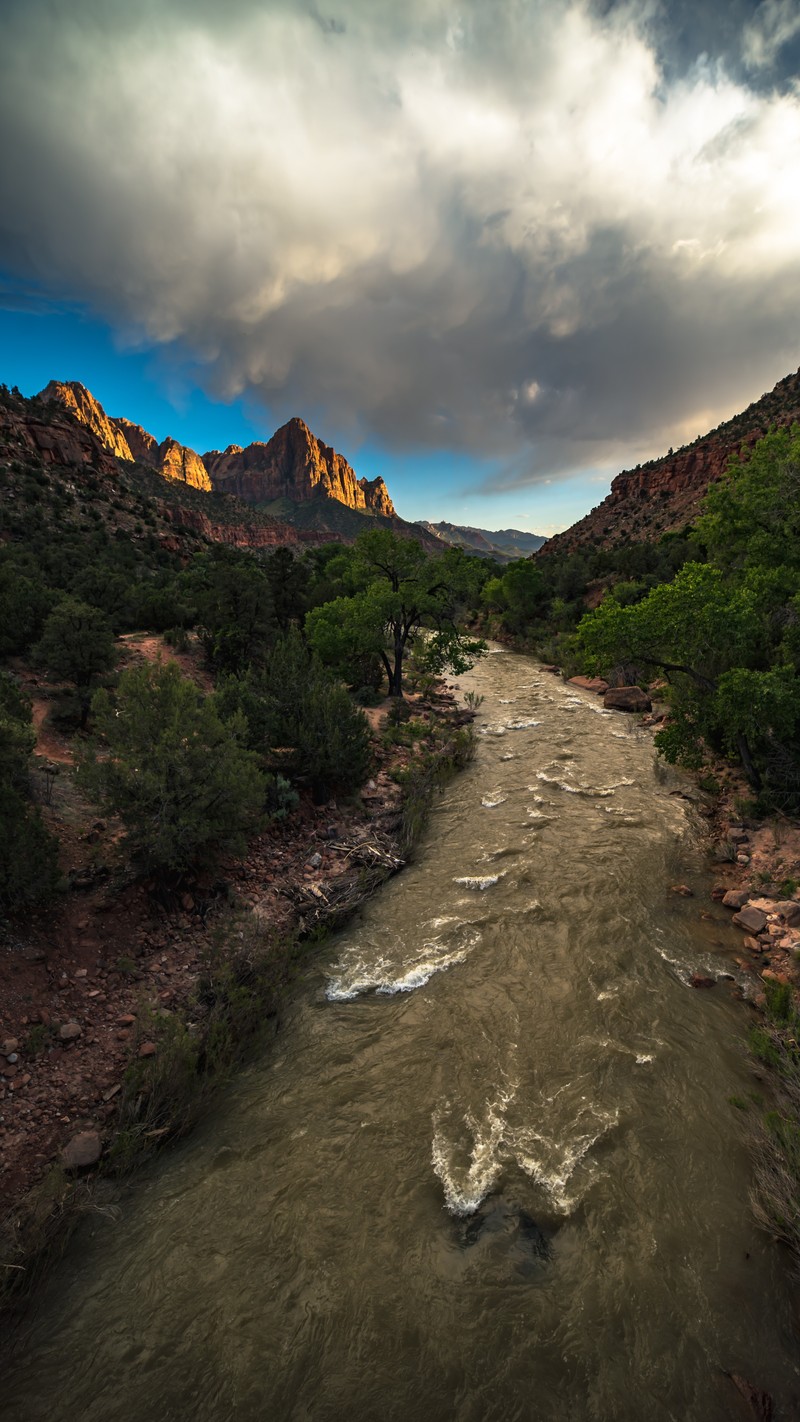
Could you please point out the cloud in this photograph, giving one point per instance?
(506, 229)
(773, 26)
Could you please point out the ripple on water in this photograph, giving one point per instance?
(479, 882)
(590, 791)
(364, 971)
(469, 1151)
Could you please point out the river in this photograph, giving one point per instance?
(489, 1169)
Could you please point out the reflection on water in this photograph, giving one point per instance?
(489, 1170)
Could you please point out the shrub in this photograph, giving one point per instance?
(28, 853)
(293, 705)
(77, 645)
(177, 774)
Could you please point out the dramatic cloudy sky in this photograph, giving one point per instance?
(495, 249)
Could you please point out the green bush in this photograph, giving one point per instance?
(177, 773)
(28, 853)
(292, 705)
(77, 645)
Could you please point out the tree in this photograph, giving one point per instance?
(176, 772)
(397, 591)
(77, 645)
(287, 580)
(28, 852)
(24, 605)
(293, 707)
(234, 606)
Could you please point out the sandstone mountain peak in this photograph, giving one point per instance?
(295, 465)
(84, 407)
(125, 439)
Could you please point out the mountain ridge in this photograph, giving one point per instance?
(293, 467)
(504, 544)
(663, 495)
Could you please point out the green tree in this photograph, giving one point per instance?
(287, 578)
(397, 591)
(176, 772)
(235, 614)
(77, 645)
(300, 721)
(24, 604)
(28, 853)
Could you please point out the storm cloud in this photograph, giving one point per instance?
(554, 233)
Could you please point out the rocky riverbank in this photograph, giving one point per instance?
(97, 992)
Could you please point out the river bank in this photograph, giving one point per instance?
(123, 1010)
(496, 1137)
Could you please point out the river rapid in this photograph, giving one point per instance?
(489, 1169)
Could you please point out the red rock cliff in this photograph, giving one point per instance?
(126, 440)
(75, 397)
(294, 465)
(665, 494)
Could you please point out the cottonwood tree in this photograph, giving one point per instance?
(397, 591)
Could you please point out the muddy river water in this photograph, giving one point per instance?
(489, 1169)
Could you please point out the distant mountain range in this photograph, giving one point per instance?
(505, 544)
(293, 477)
(664, 495)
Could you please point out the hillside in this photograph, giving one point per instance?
(663, 495)
(293, 478)
(57, 470)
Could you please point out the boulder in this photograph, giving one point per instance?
(682, 889)
(70, 1031)
(627, 698)
(589, 683)
(83, 1150)
(789, 911)
(751, 919)
(697, 981)
(735, 898)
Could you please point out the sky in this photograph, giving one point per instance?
(495, 252)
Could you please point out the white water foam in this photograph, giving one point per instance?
(552, 1163)
(581, 789)
(522, 725)
(465, 1185)
(705, 966)
(354, 978)
(469, 881)
(493, 799)
(508, 755)
(468, 1162)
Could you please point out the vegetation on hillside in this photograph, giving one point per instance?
(291, 642)
(725, 632)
